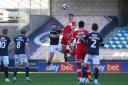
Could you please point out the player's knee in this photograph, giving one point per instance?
(26, 64)
(51, 54)
(87, 65)
(16, 65)
(63, 48)
(96, 66)
(79, 64)
(5, 65)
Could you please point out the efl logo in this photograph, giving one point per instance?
(113, 68)
(67, 68)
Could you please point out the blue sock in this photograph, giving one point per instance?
(6, 72)
(96, 73)
(84, 72)
(27, 71)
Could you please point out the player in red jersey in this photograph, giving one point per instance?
(80, 48)
(67, 33)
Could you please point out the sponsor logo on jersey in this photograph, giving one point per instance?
(67, 68)
(113, 68)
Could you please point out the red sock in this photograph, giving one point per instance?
(88, 72)
(79, 71)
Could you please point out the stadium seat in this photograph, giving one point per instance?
(106, 46)
(126, 46)
(117, 42)
(115, 38)
(111, 42)
(118, 39)
(120, 46)
(113, 46)
(119, 34)
(124, 42)
(122, 38)
(126, 34)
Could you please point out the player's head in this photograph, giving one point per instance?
(70, 17)
(54, 26)
(5, 31)
(23, 31)
(94, 27)
(81, 24)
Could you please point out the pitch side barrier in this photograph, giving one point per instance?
(106, 66)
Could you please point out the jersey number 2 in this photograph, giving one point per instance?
(93, 44)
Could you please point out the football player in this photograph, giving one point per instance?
(4, 47)
(94, 40)
(21, 53)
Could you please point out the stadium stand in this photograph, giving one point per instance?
(37, 12)
(117, 39)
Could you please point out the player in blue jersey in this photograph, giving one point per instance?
(21, 51)
(94, 42)
(4, 46)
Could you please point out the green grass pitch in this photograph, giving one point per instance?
(65, 79)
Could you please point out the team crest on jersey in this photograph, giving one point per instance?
(94, 35)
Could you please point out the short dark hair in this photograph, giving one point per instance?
(94, 27)
(5, 31)
(23, 31)
(71, 15)
(81, 24)
(54, 24)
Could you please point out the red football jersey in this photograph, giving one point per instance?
(68, 28)
(79, 34)
(81, 48)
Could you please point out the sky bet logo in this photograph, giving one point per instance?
(113, 68)
(53, 68)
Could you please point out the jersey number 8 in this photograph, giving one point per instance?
(18, 44)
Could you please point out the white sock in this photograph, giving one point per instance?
(96, 81)
(87, 81)
(82, 80)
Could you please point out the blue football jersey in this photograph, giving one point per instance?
(4, 43)
(94, 42)
(20, 42)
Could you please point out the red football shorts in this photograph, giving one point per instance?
(65, 40)
(81, 50)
